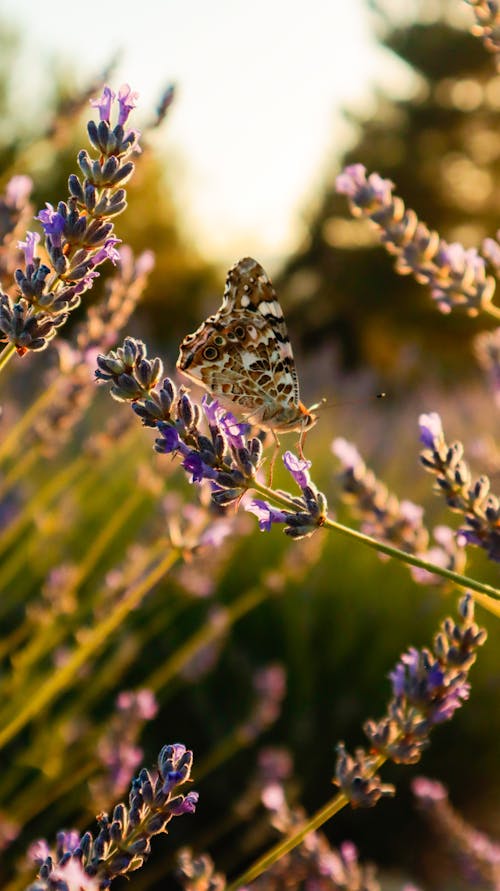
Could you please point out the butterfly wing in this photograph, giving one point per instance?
(242, 355)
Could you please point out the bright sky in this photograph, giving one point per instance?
(259, 90)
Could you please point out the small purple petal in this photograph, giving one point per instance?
(349, 181)
(298, 467)
(53, 223)
(266, 514)
(431, 430)
(430, 790)
(29, 246)
(234, 431)
(197, 467)
(212, 411)
(347, 453)
(127, 100)
(171, 441)
(103, 103)
(186, 805)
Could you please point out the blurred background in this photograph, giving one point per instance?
(271, 100)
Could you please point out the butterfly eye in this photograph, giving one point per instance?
(219, 340)
(240, 332)
(210, 352)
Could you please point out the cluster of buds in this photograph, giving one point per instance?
(124, 840)
(477, 855)
(305, 515)
(428, 686)
(386, 518)
(78, 233)
(456, 276)
(471, 498)
(228, 458)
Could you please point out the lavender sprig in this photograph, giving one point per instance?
(78, 233)
(471, 498)
(124, 840)
(387, 518)
(227, 457)
(456, 276)
(428, 686)
(229, 460)
(477, 855)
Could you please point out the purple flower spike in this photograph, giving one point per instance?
(103, 103)
(298, 467)
(29, 246)
(431, 430)
(265, 514)
(53, 223)
(127, 100)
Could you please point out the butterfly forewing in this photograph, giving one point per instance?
(242, 354)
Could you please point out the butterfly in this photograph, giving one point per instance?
(243, 357)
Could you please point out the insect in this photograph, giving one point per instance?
(243, 357)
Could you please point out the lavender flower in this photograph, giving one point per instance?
(477, 855)
(124, 841)
(117, 748)
(456, 276)
(428, 687)
(487, 350)
(473, 499)
(384, 517)
(15, 211)
(198, 873)
(228, 458)
(78, 234)
(310, 510)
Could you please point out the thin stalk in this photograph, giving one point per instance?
(60, 481)
(19, 469)
(63, 677)
(486, 595)
(19, 428)
(328, 810)
(6, 354)
(203, 637)
(493, 310)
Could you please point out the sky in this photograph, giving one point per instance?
(257, 116)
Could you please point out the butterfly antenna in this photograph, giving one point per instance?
(325, 404)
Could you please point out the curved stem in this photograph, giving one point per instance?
(6, 354)
(486, 595)
(287, 844)
(66, 675)
(493, 310)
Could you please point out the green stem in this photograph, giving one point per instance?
(6, 354)
(65, 676)
(328, 810)
(486, 595)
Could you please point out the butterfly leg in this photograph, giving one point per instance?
(273, 459)
(300, 444)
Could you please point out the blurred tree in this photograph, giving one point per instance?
(442, 149)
